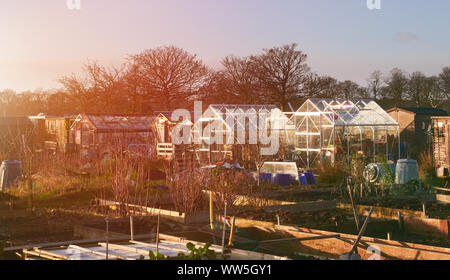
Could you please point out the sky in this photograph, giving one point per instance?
(41, 41)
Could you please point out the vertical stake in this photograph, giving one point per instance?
(211, 211)
(131, 229)
(230, 242)
(389, 236)
(107, 237)
(400, 220)
(224, 226)
(157, 235)
(424, 209)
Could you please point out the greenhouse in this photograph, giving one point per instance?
(327, 130)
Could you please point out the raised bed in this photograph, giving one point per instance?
(380, 212)
(179, 217)
(389, 250)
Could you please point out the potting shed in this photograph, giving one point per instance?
(328, 128)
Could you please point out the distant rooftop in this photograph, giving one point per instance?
(422, 110)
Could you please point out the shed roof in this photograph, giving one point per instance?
(422, 110)
(121, 123)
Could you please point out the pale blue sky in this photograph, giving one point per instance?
(42, 40)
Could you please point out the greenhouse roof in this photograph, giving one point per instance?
(348, 112)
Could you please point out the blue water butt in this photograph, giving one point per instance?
(282, 179)
(265, 177)
(302, 180)
(310, 178)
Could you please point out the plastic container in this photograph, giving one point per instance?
(265, 177)
(302, 180)
(10, 171)
(310, 178)
(282, 179)
(406, 170)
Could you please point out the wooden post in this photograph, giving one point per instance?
(131, 228)
(224, 227)
(230, 242)
(107, 237)
(400, 220)
(278, 219)
(157, 236)
(211, 211)
(389, 236)
(2, 246)
(424, 209)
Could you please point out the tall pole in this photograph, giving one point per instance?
(399, 146)
(224, 226)
(131, 228)
(107, 237)
(157, 235)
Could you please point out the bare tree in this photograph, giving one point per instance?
(416, 90)
(396, 86)
(375, 84)
(282, 73)
(320, 86)
(169, 74)
(239, 81)
(349, 90)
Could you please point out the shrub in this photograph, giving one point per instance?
(426, 165)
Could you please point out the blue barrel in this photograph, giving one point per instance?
(302, 180)
(10, 171)
(282, 179)
(265, 177)
(310, 178)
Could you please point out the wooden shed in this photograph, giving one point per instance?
(441, 144)
(100, 133)
(415, 125)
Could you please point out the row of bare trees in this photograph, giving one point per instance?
(168, 77)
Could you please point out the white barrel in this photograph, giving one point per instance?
(406, 170)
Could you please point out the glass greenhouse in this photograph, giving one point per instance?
(326, 129)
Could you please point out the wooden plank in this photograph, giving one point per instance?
(99, 253)
(390, 249)
(45, 254)
(154, 246)
(73, 242)
(125, 248)
(442, 189)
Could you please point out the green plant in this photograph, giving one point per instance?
(200, 253)
(426, 165)
(157, 256)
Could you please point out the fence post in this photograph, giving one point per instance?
(131, 228)
(400, 220)
(224, 227)
(107, 237)
(211, 211)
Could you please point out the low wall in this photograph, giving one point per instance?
(389, 250)
(380, 212)
(310, 206)
(443, 198)
(435, 227)
(175, 216)
(82, 232)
